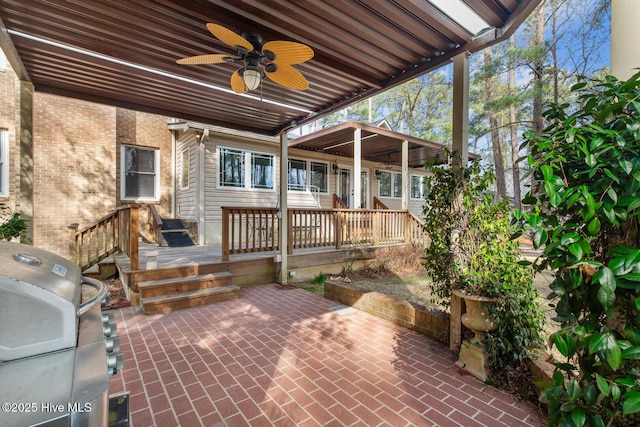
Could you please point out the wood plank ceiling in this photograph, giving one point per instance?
(361, 47)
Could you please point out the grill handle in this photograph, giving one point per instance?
(96, 299)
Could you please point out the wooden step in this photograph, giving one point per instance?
(167, 303)
(177, 285)
(102, 270)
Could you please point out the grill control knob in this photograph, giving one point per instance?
(108, 318)
(112, 343)
(115, 361)
(109, 329)
(106, 301)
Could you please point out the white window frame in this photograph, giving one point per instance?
(308, 163)
(123, 174)
(395, 185)
(185, 168)
(420, 187)
(247, 170)
(271, 158)
(4, 163)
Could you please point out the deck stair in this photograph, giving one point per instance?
(165, 295)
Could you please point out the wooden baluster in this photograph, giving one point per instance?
(225, 234)
(73, 241)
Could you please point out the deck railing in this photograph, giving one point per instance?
(117, 231)
(246, 230)
(338, 203)
(151, 224)
(377, 204)
(249, 230)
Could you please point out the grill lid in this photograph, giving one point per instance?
(41, 268)
(39, 296)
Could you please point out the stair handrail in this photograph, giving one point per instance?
(154, 220)
(338, 203)
(416, 231)
(377, 204)
(113, 232)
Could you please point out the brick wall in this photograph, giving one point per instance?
(432, 323)
(77, 162)
(148, 130)
(9, 100)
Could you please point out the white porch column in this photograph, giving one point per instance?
(625, 32)
(357, 166)
(460, 122)
(405, 175)
(284, 185)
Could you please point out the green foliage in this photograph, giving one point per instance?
(471, 248)
(11, 225)
(320, 278)
(586, 166)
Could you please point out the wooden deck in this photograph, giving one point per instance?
(197, 255)
(195, 263)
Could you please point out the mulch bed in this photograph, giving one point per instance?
(118, 297)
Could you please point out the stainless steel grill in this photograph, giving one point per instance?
(57, 349)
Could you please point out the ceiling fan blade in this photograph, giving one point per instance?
(204, 59)
(287, 76)
(237, 84)
(287, 52)
(227, 36)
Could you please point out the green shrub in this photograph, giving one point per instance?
(11, 225)
(584, 214)
(471, 248)
(320, 278)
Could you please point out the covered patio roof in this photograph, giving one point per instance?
(378, 144)
(124, 52)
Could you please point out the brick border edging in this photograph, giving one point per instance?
(431, 323)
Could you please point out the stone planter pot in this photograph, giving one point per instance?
(473, 357)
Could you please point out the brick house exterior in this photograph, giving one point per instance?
(76, 159)
(9, 124)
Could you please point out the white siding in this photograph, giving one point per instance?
(215, 197)
(186, 198)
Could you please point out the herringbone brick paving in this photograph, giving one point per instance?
(286, 357)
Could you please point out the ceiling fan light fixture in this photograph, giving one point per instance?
(251, 78)
(272, 59)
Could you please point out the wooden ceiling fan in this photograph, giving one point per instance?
(271, 59)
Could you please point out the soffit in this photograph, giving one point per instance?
(361, 48)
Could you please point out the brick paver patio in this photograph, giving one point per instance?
(286, 357)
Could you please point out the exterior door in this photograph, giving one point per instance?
(364, 189)
(345, 188)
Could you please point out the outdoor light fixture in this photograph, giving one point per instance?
(335, 168)
(251, 77)
(377, 173)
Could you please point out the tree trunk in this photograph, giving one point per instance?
(515, 151)
(538, 69)
(501, 190)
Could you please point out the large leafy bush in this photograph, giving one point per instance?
(584, 214)
(471, 249)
